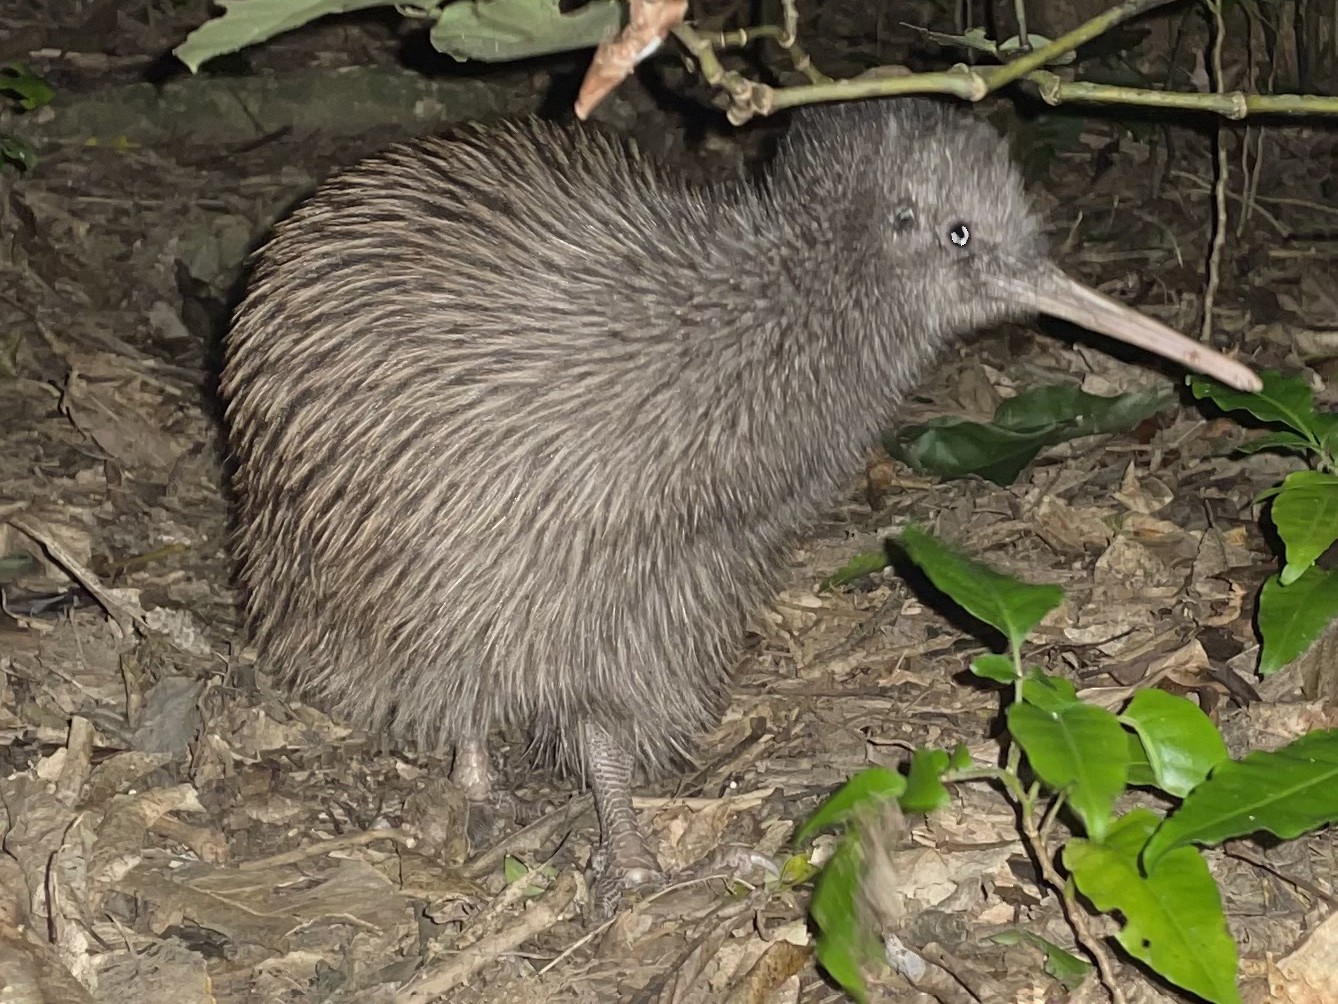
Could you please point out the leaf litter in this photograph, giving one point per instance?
(176, 830)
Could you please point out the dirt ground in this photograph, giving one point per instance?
(176, 830)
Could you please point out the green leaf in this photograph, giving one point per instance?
(1283, 400)
(31, 90)
(1022, 427)
(843, 943)
(246, 22)
(1004, 603)
(513, 869)
(993, 666)
(925, 790)
(1049, 693)
(1283, 440)
(1326, 428)
(1060, 964)
(1173, 919)
(1306, 515)
(498, 31)
(1141, 774)
(1286, 792)
(960, 758)
(865, 788)
(796, 870)
(1291, 618)
(1077, 413)
(14, 149)
(856, 568)
(1079, 750)
(1181, 743)
(956, 448)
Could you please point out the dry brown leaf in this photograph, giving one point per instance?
(283, 907)
(648, 23)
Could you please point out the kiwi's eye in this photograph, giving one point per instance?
(960, 234)
(903, 219)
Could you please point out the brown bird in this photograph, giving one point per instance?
(524, 424)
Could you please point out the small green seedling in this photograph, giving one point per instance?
(28, 91)
(1141, 866)
(515, 870)
(1298, 603)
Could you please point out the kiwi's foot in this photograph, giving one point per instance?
(497, 807)
(621, 865)
(488, 805)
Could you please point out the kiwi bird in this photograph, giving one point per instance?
(524, 423)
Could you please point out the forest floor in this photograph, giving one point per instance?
(175, 829)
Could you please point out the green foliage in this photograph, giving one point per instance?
(1286, 792)
(1079, 749)
(1022, 427)
(1140, 866)
(844, 943)
(515, 870)
(1012, 607)
(1064, 966)
(874, 783)
(1179, 742)
(1173, 913)
(28, 91)
(856, 568)
(486, 30)
(1297, 604)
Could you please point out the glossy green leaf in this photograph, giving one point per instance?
(1284, 400)
(1060, 964)
(1181, 743)
(960, 758)
(1049, 693)
(864, 789)
(994, 666)
(925, 790)
(956, 448)
(843, 945)
(1141, 774)
(1080, 750)
(17, 150)
(1022, 427)
(1326, 428)
(31, 90)
(244, 23)
(496, 31)
(1077, 413)
(1306, 515)
(1010, 606)
(1173, 919)
(1291, 618)
(1283, 440)
(857, 567)
(1285, 792)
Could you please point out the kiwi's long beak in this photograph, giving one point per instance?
(1055, 293)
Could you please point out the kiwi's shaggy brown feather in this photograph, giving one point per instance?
(524, 424)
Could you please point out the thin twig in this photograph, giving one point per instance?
(1223, 177)
(554, 906)
(1077, 918)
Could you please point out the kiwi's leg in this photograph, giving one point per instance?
(472, 771)
(622, 860)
